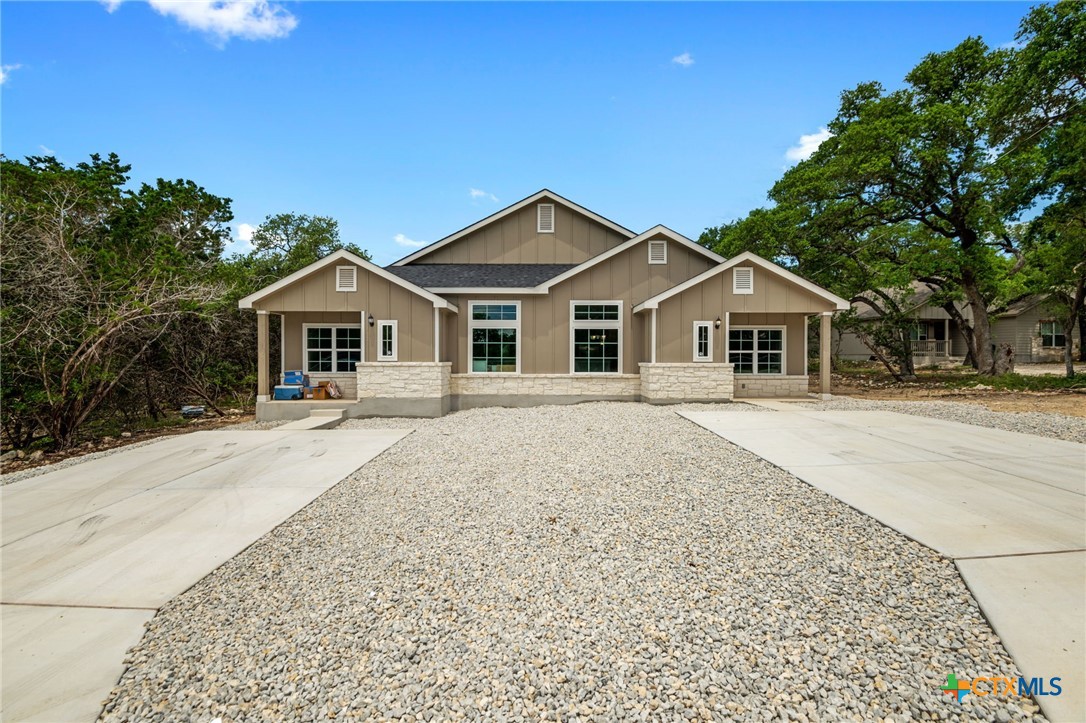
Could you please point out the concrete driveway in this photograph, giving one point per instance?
(1009, 508)
(90, 552)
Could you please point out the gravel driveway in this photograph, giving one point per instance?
(599, 561)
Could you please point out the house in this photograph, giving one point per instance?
(1025, 325)
(543, 302)
(1033, 331)
(936, 337)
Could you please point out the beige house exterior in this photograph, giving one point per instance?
(544, 302)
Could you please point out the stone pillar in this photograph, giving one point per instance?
(263, 391)
(824, 348)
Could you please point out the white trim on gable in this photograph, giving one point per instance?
(655, 230)
(654, 302)
(510, 210)
(344, 255)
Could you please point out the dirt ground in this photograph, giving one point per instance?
(1070, 403)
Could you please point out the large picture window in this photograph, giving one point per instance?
(332, 349)
(596, 337)
(756, 351)
(1052, 335)
(494, 328)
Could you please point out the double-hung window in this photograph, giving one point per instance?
(494, 328)
(332, 349)
(1052, 335)
(756, 351)
(596, 337)
(386, 340)
(703, 341)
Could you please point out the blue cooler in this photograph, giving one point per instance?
(284, 392)
(296, 377)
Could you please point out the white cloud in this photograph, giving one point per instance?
(807, 145)
(5, 71)
(47, 150)
(685, 60)
(225, 19)
(476, 194)
(245, 232)
(410, 243)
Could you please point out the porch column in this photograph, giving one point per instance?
(652, 343)
(437, 334)
(946, 337)
(263, 391)
(824, 344)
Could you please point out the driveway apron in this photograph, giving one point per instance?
(91, 551)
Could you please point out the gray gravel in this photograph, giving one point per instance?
(602, 561)
(1042, 424)
(6, 479)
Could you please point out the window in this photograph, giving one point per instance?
(332, 348)
(743, 280)
(346, 278)
(756, 351)
(657, 252)
(386, 340)
(1052, 335)
(703, 341)
(596, 337)
(494, 327)
(918, 332)
(545, 218)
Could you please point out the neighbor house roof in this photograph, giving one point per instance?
(746, 256)
(344, 255)
(918, 295)
(454, 276)
(510, 210)
(1022, 305)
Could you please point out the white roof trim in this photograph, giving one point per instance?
(486, 290)
(344, 255)
(507, 211)
(654, 302)
(654, 231)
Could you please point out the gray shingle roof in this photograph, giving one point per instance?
(449, 276)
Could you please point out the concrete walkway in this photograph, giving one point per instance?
(90, 552)
(1008, 508)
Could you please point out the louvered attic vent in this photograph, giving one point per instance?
(545, 218)
(657, 252)
(346, 278)
(743, 280)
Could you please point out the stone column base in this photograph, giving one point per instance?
(403, 389)
(691, 382)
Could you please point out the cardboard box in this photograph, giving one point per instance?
(320, 392)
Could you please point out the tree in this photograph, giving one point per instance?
(93, 277)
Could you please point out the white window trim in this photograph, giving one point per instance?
(736, 289)
(539, 218)
(492, 324)
(1057, 330)
(395, 340)
(354, 279)
(708, 325)
(657, 263)
(305, 347)
(596, 324)
(784, 349)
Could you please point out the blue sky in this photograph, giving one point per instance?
(386, 116)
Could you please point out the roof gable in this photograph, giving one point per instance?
(343, 255)
(544, 195)
(745, 257)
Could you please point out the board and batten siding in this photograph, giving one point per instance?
(775, 302)
(515, 240)
(315, 300)
(545, 323)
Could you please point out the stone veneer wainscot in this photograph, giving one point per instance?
(770, 385)
(689, 382)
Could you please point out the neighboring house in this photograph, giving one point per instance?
(1025, 325)
(543, 302)
(1033, 331)
(935, 336)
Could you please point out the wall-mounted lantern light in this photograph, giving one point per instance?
(370, 320)
(716, 324)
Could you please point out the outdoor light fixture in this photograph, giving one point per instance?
(370, 320)
(716, 324)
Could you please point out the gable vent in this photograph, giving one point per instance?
(657, 252)
(743, 280)
(545, 218)
(346, 278)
